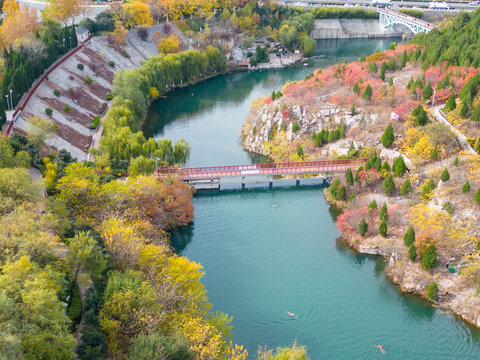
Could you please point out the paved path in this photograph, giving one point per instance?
(462, 140)
(92, 11)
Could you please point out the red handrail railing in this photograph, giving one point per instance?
(260, 169)
(36, 84)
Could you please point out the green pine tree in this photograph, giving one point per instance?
(412, 253)
(455, 162)
(476, 197)
(372, 206)
(429, 257)
(399, 166)
(362, 227)
(406, 187)
(445, 175)
(409, 237)
(427, 91)
(450, 104)
(367, 94)
(466, 187)
(383, 215)
(432, 291)
(388, 137)
(388, 185)
(356, 88)
(382, 228)
(349, 177)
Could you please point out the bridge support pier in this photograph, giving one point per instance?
(270, 181)
(243, 182)
(297, 180)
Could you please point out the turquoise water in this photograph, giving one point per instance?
(262, 261)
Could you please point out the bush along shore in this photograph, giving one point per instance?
(416, 202)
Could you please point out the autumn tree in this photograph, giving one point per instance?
(85, 256)
(293, 352)
(20, 23)
(10, 7)
(40, 129)
(63, 10)
(169, 45)
(137, 13)
(388, 137)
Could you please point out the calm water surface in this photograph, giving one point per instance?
(261, 261)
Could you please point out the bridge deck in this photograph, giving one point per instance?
(285, 168)
(404, 17)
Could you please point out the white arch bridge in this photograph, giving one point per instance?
(389, 18)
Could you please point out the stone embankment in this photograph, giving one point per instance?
(350, 29)
(80, 101)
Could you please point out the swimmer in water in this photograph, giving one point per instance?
(292, 314)
(380, 346)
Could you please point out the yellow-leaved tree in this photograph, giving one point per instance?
(137, 13)
(63, 10)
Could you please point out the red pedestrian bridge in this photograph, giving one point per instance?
(212, 173)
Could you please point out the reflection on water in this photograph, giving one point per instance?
(261, 260)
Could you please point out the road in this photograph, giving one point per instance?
(92, 11)
(421, 4)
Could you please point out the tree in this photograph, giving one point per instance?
(169, 45)
(466, 187)
(388, 137)
(20, 23)
(40, 129)
(372, 67)
(406, 187)
(367, 94)
(353, 111)
(293, 352)
(388, 185)
(33, 315)
(476, 197)
(137, 13)
(399, 166)
(362, 227)
(295, 126)
(432, 291)
(420, 115)
(429, 257)
(349, 177)
(308, 46)
(356, 88)
(412, 253)
(409, 237)
(455, 162)
(427, 91)
(85, 256)
(155, 346)
(445, 175)
(63, 10)
(10, 7)
(16, 187)
(372, 206)
(451, 104)
(383, 215)
(383, 68)
(382, 229)
(300, 151)
(341, 193)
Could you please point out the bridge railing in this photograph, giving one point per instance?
(411, 19)
(256, 169)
